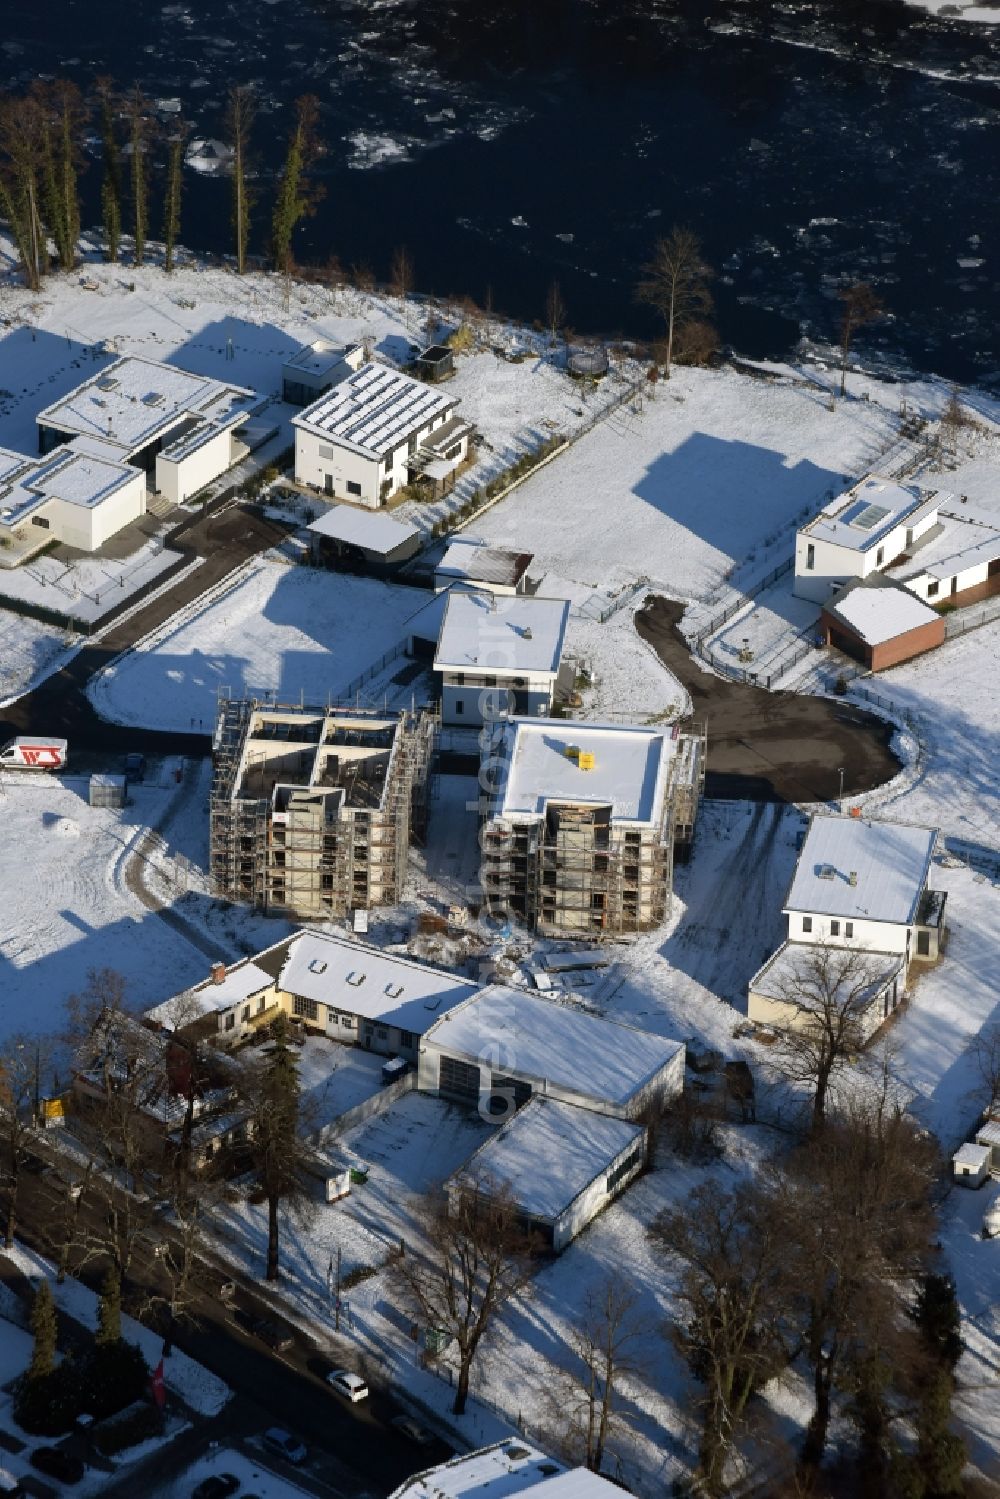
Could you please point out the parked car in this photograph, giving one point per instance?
(217, 1486)
(351, 1386)
(413, 1431)
(276, 1439)
(277, 1338)
(135, 767)
(58, 1464)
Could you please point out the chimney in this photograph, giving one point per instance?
(218, 972)
(853, 876)
(526, 633)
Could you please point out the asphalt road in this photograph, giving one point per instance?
(354, 1451)
(224, 540)
(771, 746)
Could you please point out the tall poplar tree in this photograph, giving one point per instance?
(139, 129)
(22, 182)
(241, 110)
(277, 1146)
(111, 186)
(297, 195)
(172, 194)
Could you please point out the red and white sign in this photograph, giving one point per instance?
(157, 1385)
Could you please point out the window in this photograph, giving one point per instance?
(260, 1004)
(459, 707)
(923, 944)
(246, 1015)
(406, 1038)
(388, 461)
(880, 556)
(932, 588)
(352, 487)
(347, 1021)
(382, 1033)
(848, 928)
(834, 928)
(307, 1008)
(810, 557)
(325, 451)
(626, 1165)
(459, 1078)
(230, 1021)
(39, 520)
(807, 923)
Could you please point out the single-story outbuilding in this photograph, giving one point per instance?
(503, 1046)
(880, 622)
(796, 980)
(970, 1165)
(365, 538)
(315, 368)
(988, 1135)
(469, 562)
(560, 1164)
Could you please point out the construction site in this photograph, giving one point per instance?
(583, 824)
(312, 809)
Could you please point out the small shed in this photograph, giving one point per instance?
(970, 1165)
(436, 363)
(880, 622)
(108, 791)
(366, 540)
(316, 368)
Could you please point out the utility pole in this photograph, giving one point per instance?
(336, 1304)
(840, 772)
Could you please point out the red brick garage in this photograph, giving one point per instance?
(880, 623)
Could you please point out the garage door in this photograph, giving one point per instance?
(459, 1079)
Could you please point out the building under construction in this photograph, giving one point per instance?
(313, 808)
(583, 823)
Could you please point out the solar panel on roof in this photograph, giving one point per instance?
(870, 516)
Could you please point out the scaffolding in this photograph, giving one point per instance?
(312, 808)
(574, 871)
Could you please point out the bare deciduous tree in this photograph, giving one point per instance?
(241, 110)
(675, 284)
(401, 273)
(22, 170)
(826, 1000)
(555, 309)
(860, 307)
(733, 1288)
(607, 1345)
(986, 1049)
(23, 1061)
(474, 1259)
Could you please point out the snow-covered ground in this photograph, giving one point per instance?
(86, 588)
(29, 651)
(254, 1476)
(294, 632)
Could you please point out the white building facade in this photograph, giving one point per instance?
(498, 655)
(79, 494)
(861, 532)
(373, 432)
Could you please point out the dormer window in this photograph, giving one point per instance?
(317, 965)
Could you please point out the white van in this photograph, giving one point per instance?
(28, 752)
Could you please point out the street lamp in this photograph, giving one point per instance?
(840, 772)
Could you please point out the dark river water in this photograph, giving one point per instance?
(509, 143)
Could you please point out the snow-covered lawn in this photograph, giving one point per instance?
(254, 1477)
(29, 651)
(951, 693)
(685, 489)
(296, 632)
(65, 906)
(86, 588)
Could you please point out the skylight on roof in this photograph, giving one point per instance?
(870, 516)
(152, 398)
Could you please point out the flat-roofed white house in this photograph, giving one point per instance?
(469, 562)
(581, 821)
(374, 432)
(863, 887)
(346, 990)
(498, 655)
(559, 1164)
(182, 429)
(79, 495)
(506, 1469)
(862, 531)
(316, 368)
(502, 1046)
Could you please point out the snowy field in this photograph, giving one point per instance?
(65, 906)
(686, 489)
(296, 632)
(29, 651)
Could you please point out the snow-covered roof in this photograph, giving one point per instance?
(362, 980)
(791, 975)
(989, 1133)
(469, 557)
(319, 357)
(134, 402)
(862, 516)
(881, 611)
(629, 770)
(374, 409)
(74, 473)
(889, 860)
(212, 995)
(369, 529)
(549, 1153)
(544, 1042)
(975, 1156)
(511, 635)
(508, 1468)
(951, 563)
